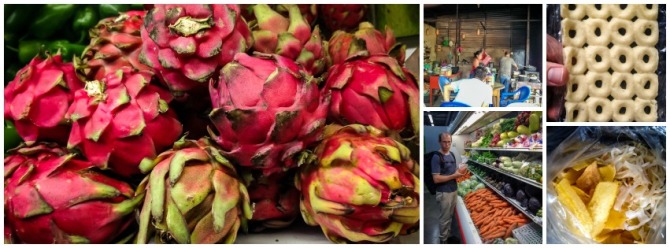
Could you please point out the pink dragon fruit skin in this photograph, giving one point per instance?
(342, 16)
(266, 110)
(187, 44)
(38, 98)
(193, 196)
(363, 187)
(343, 44)
(53, 197)
(115, 43)
(290, 37)
(374, 90)
(122, 120)
(275, 199)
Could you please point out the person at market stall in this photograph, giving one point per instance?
(506, 64)
(473, 92)
(476, 62)
(445, 171)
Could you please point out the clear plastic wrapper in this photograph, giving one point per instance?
(592, 142)
(554, 29)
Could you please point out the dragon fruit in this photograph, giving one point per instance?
(308, 11)
(374, 90)
(364, 187)
(122, 120)
(275, 200)
(38, 98)
(289, 37)
(266, 110)
(193, 195)
(187, 44)
(342, 16)
(53, 197)
(115, 43)
(341, 46)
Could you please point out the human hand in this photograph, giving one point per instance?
(557, 78)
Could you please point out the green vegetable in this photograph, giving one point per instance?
(85, 19)
(507, 125)
(28, 49)
(51, 19)
(16, 17)
(12, 138)
(108, 10)
(66, 49)
(487, 139)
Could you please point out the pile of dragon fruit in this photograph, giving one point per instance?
(193, 123)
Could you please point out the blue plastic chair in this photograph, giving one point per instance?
(454, 104)
(524, 93)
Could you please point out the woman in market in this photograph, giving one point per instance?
(445, 172)
(476, 61)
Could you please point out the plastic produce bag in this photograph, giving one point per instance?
(554, 29)
(590, 142)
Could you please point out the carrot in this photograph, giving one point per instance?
(511, 228)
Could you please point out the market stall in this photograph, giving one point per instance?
(500, 195)
(453, 34)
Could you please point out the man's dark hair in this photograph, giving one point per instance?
(480, 73)
(506, 53)
(439, 136)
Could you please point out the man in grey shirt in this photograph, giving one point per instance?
(506, 64)
(445, 171)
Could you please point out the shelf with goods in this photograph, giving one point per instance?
(511, 175)
(513, 202)
(503, 131)
(478, 201)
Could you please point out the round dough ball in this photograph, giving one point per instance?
(646, 32)
(623, 110)
(573, 11)
(624, 11)
(597, 32)
(623, 86)
(646, 85)
(574, 60)
(578, 89)
(621, 58)
(646, 59)
(574, 33)
(599, 83)
(622, 32)
(600, 109)
(598, 58)
(576, 112)
(647, 11)
(645, 110)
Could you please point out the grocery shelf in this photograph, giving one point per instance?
(539, 149)
(511, 201)
(483, 120)
(512, 175)
(468, 228)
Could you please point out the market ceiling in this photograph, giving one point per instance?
(439, 118)
(518, 11)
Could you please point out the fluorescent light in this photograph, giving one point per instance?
(471, 120)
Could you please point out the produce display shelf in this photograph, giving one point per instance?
(468, 228)
(536, 149)
(513, 202)
(512, 175)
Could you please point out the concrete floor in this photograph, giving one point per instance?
(431, 220)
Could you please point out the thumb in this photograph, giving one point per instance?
(557, 75)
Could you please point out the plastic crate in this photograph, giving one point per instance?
(528, 234)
